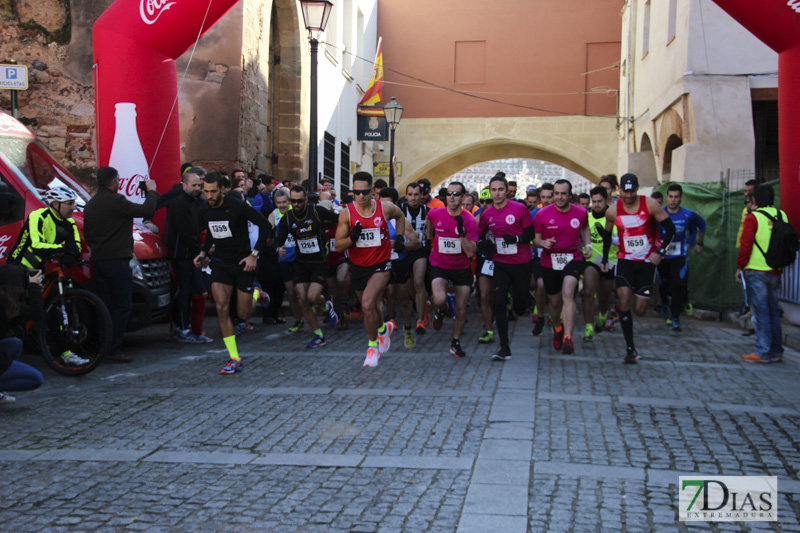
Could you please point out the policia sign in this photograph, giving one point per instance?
(372, 125)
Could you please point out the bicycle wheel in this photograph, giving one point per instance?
(83, 326)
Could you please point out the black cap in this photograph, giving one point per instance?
(628, 182)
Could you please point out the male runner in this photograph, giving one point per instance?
(485, 273)
(417, 213)
(338, 276)
(286, 261)
(635, 217)
(562, 231)
(305, 223)
(674, 269)
(364, 223)
(546, 197)
(594, 280)
(453, 234)
(512, 227)
(233, 263)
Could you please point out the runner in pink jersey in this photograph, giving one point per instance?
(562, 231)
(453, 234)
(512, 227)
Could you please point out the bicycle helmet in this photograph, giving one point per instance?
(60, 194)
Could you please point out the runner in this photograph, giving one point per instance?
(233, 263)
(485, 273)
(338, 276)
(364, 223)
(546, 196)
(512, 227)
(674, 269)
(399, 281)
(305, 224)
(416, 213)
(596, 281)
(635, 217)
(453, 234)
(562, 231)
(286, 261)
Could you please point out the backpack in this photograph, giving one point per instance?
(783, 242)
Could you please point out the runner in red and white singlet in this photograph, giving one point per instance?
(636, 218)
(364, 231)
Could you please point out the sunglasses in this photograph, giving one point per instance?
(297, 200)
(454, 193)
(362, 192)
(486, 201)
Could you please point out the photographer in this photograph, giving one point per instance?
(108, 226)
(20, 301)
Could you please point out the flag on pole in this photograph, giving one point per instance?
(375, 88)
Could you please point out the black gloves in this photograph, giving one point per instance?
(399, 245)
(486, 247)
(460, 226)
(355, 233)
(510, 239)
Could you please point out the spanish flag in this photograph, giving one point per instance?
(375, 88)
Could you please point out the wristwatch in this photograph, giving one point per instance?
(254, 253)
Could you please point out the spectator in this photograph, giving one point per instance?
(425, 194)
(532, 198)
(262, 193)
(584, 200)
(20, 301)
(749, 187)
(609, 181)
(376, 188)
(469, 203)
(658, 197)
(108, 227)
(761, 282)
(512, 190)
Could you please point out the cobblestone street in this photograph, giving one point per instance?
(306, 440)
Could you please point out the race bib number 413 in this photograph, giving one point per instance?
(370, 238)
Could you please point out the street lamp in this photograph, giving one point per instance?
(393, 112)
(315, 17)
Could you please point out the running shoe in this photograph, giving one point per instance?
(776, 359)
(568, 346)
(487, 337)
(6, 398)
(754, 358)
(420, 327)
(71, 358)
(601, 322)
(333, 318)
(558, 337)
(232, 367)
(676, 325)
(316, 342)
(631, 356)
(503, 354)
(426, 316)
(456, 350)
(245, 327)
(181, 336)
(538, 325)
(588, 336)
(410, 340)
(438, 318)
(610, 324)
(199, 339)
(385, 338)
(669, 321)
(297, 326)
(372, 357)
(689, 309)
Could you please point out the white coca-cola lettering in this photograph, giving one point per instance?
(3, 240)
(130, 186)
(794, 4)
(150, 10)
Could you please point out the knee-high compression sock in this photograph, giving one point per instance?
(626, 322)
(230, 344)
(198, 313)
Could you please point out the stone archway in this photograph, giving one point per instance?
(673, 142)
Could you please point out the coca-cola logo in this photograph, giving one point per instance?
(130, 186)
(150, 10)
(794, 4)
(4, 239)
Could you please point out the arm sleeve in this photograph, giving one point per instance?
(527, 234)
(74, 236)
(326, 215)
(283, 232)
(669, 232)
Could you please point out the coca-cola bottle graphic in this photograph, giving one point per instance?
(127, 155)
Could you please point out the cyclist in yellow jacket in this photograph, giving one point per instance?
(47, 231)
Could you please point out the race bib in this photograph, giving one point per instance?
(370, 238)
(488, 268)
(636, 245)
(308, 246)
(674, 248)
(505, 249)
(289, 242)
(449, 245)
(560, 260)
(333, 245)
(220, 229)
(394, 256)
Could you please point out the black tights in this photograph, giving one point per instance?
(516, 278)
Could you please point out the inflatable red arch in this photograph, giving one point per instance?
(135, 44)
(777, 24)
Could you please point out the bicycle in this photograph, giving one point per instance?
(74, 319)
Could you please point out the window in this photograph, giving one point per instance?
(329, 163)
(673, 15)
(470, 62)
(646, 29)
(344, 163)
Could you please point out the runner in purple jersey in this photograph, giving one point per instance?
(512, 227)
(453, 234)
(562, 231)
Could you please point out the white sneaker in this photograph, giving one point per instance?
(6, 398)
(372, 357)
(385, 339)
(71, 358)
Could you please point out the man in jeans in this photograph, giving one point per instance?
(762, 282)
(108, 227)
